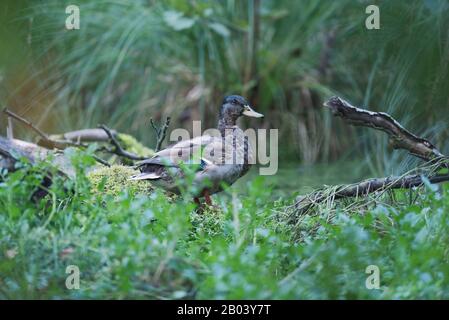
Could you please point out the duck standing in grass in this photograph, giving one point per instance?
(223, 158)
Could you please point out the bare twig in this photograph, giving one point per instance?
(118, 150)
(161, 132)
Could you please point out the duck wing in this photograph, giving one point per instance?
(183, 151)
(170, 157)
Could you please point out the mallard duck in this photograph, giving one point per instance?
(220, 159)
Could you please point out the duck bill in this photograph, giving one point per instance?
(251, 113)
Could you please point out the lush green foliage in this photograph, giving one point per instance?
(132, 245)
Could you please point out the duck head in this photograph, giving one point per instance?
(234, 107)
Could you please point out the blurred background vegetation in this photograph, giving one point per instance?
(132, 60)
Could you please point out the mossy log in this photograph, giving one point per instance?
(110, 180)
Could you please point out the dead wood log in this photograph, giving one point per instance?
(10, 153)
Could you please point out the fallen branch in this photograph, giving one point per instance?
(400, 138)
(361, 189)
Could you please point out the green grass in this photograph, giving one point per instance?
(132, 245)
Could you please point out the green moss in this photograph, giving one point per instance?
(112, 180)
(132, 145)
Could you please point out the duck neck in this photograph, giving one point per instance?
(226, 122)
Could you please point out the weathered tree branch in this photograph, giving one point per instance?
(400, 138)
